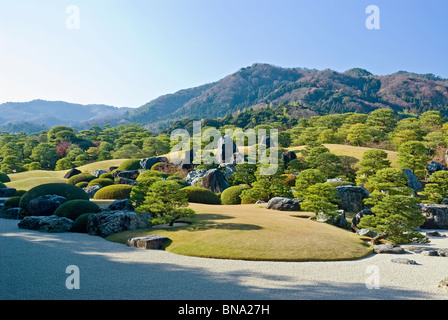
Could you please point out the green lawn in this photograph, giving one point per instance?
(252, 232)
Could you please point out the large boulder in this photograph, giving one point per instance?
(105, 223)
(358, 217)
(194, 177)
(52, 224)
(284, 204)
(120, 204)
(98, 173)
(436, 215)
(127, 181)
(288, 156)
(338, 220)
(45, 205)
(71, 173)
(351, 198)
(91, 190)
(388, 248)
(225, 150)
(7, 192)
(432, 167)
(215, 181)
(146, 164)
(128, 174)
(151, 242)
(414, 183)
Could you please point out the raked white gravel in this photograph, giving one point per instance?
(33, 265)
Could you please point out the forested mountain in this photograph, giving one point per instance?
(322, 91)
(39, 115)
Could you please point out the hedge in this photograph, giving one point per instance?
(201, 195)
(101, 182)
(80, 224)
(231, 196)
(151, 173)
(74, 208)
(68, 191)
(130, 164)
(4, 177)
(81, 177)
(114, 192)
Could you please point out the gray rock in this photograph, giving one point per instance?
(338, 219)
(92, 190)
(215, 181)
(225, 150)
(288, 156)
(432, 167)
(120, 205)
(388, 248)
(358, 217)
(71, 173)
(414, 183)
(98, 173)
(7, 192)
(442, 253)
(429, 253)
(284, 204)
(146, 164)
(52, 224)
(128, 174)
(260, 202)
(435, 234)
(105, 223)
(127, 181)
(45, 205)
(195, 176)
(229, 169)
(11, 213)
(436, 215)
(352, 198)
(152, 242)
(403, 261)
(367, 233)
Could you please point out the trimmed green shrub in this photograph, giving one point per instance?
(339, 183)
(130, 164)
(151, 173)
(114, 192)
(80, 224)
(101, 182)
(231, 196)
(74, 208)
(2, 185)
(19, 193)
(82, 184)
(107, 176)
(158, 165)
(82, 177)
(68, 191)
(201, 195)
(4, 177)
(12, 202)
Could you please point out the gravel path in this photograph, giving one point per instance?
(33, 266)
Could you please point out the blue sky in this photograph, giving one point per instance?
(126, 53)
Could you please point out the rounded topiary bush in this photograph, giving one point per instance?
(82, 184)
(80, 224)
(201, 195)
(151, 173)
(114, 192)
(231, 196)
(130, 164)
(68, 191)
(74, 208)
(339, 183)
(19, 193)
(4, 177)
(12, 202)
(101, 182)
(81, 177)
(107, 176)
(2, 185)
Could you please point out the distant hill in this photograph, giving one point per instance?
(322, 91)
(38, 115)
